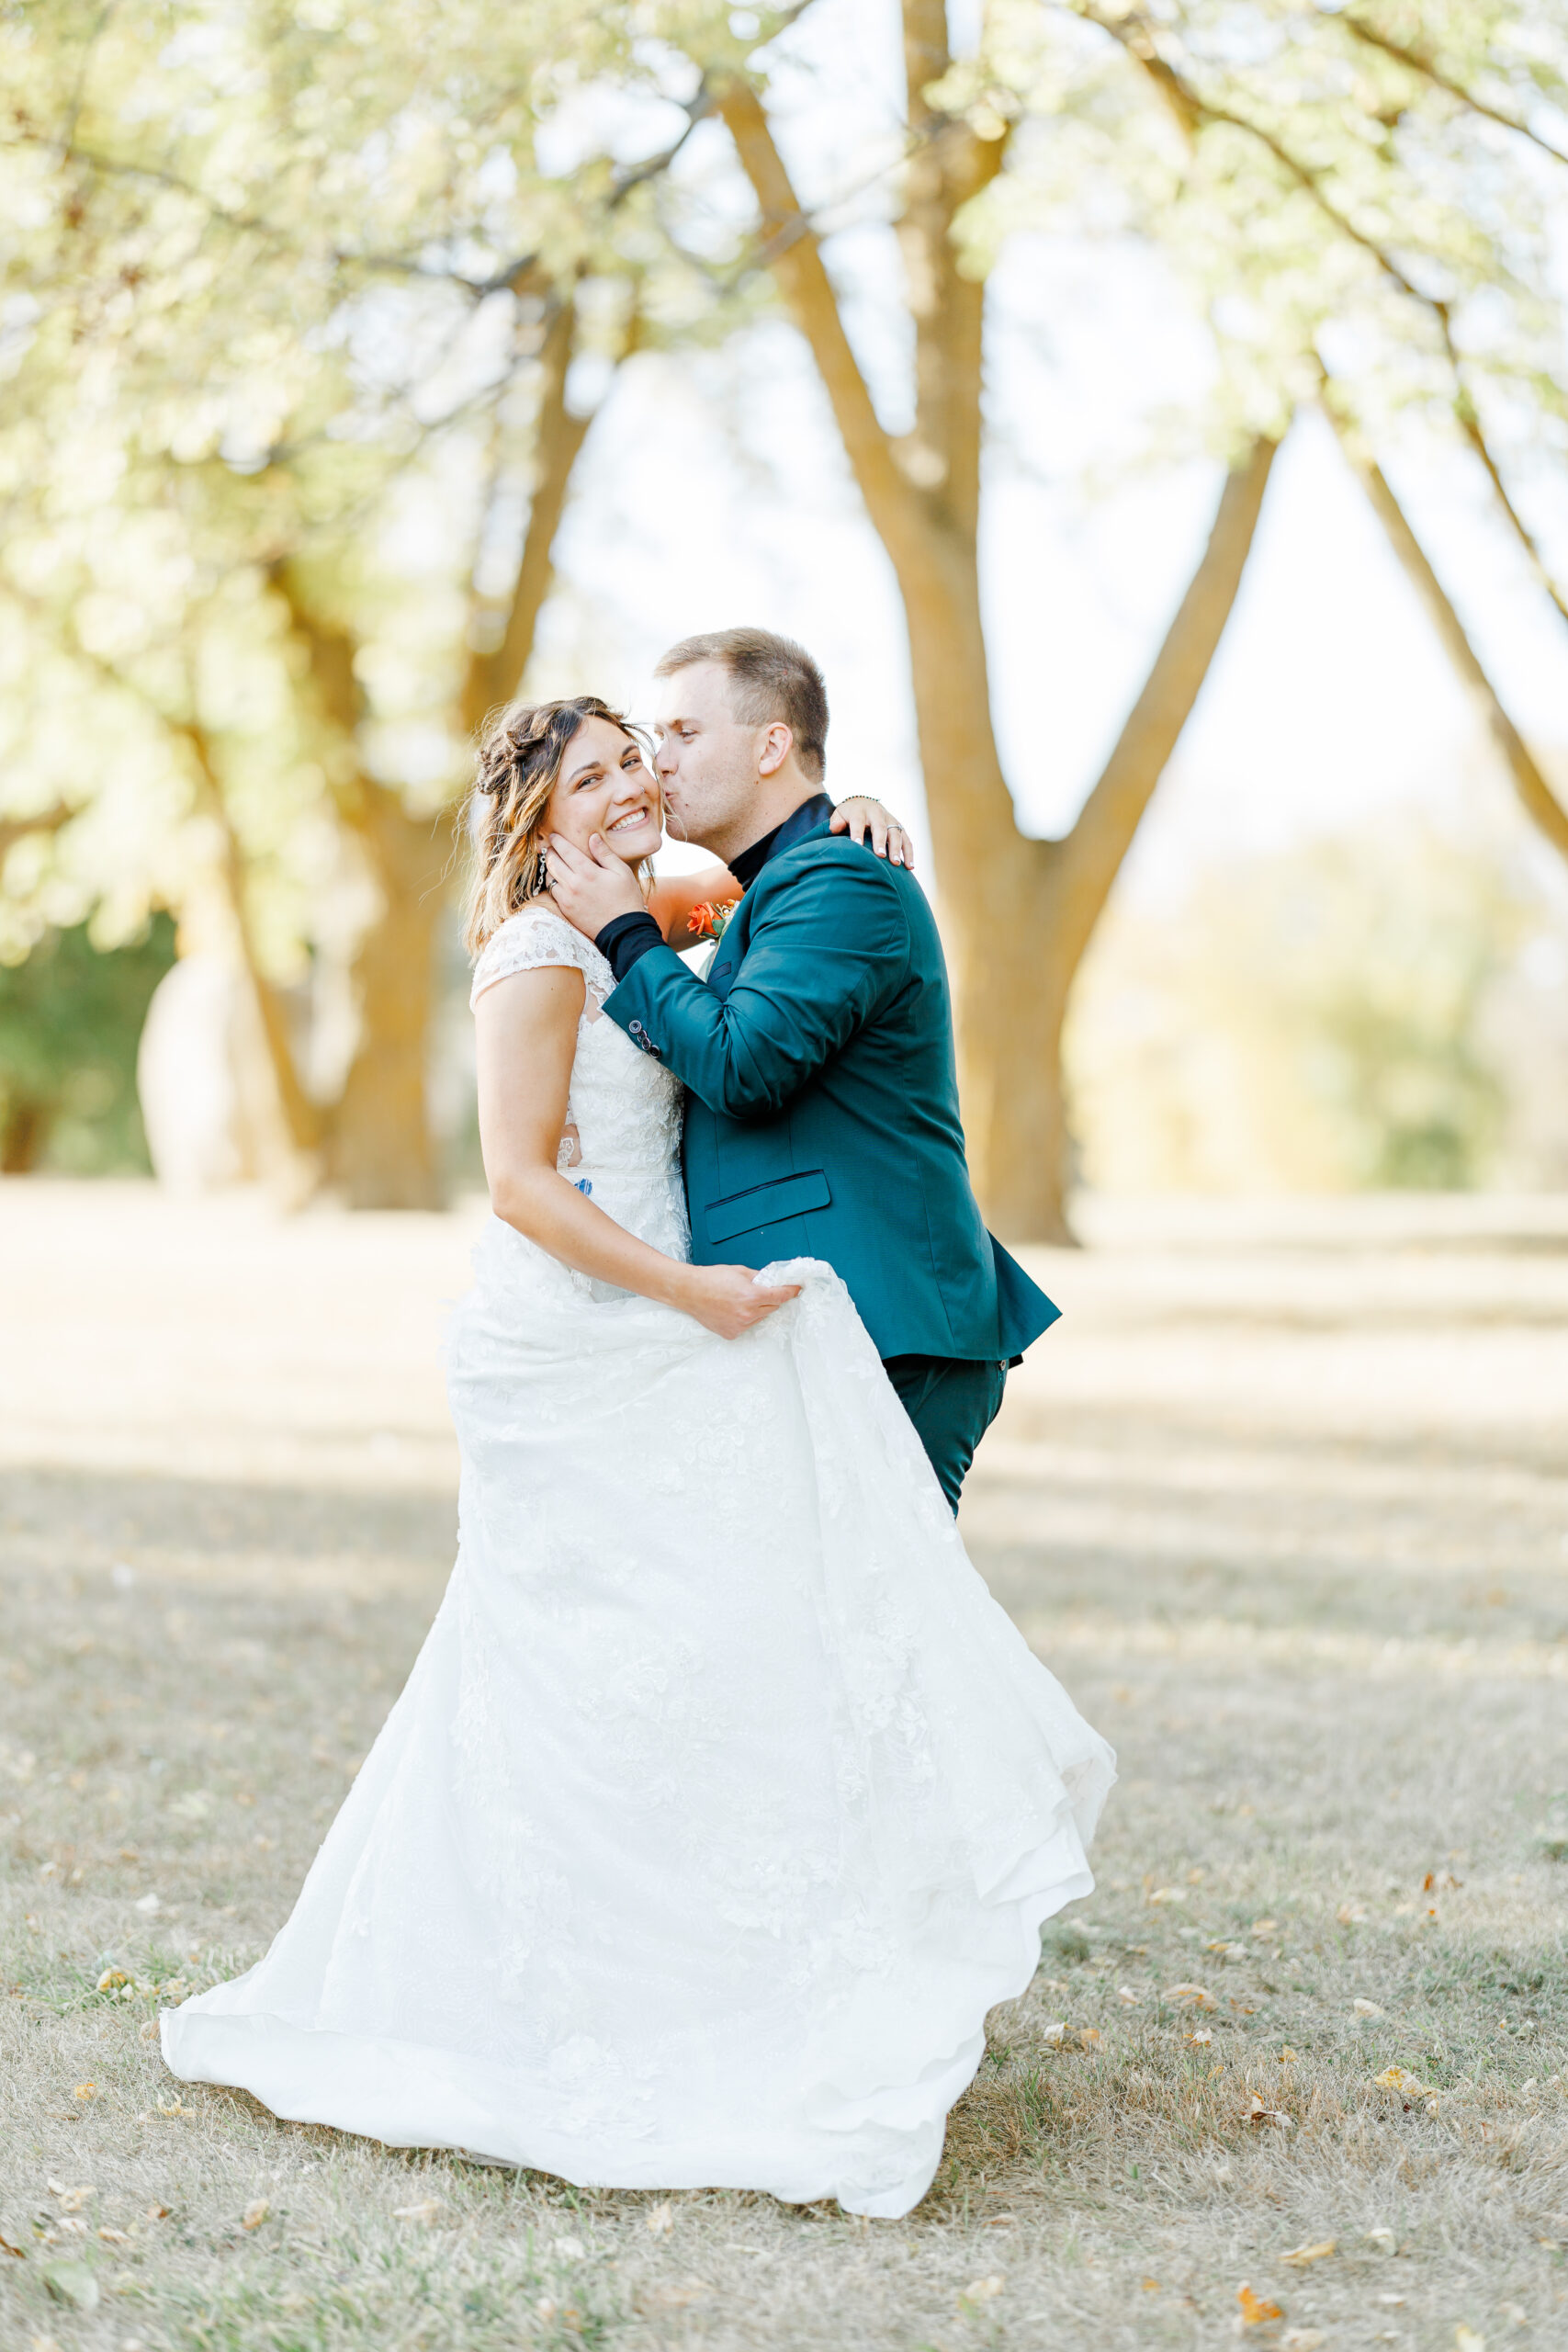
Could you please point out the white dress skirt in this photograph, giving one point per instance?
(723, 1800)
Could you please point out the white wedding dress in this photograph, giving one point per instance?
(723, 1800)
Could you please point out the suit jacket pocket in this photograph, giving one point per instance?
(765, 1205)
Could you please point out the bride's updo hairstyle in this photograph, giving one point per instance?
(521, 750)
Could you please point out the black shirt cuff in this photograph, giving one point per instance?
(622, 942)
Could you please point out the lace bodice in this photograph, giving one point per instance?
(623, 1143)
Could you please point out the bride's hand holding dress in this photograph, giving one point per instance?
(525, 1037)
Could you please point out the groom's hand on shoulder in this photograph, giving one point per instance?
(591, 887)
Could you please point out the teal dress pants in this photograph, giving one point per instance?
(952, 1404)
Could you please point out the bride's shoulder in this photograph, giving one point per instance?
(537, 935)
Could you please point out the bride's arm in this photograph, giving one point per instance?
(670, 900)
(526, 1027)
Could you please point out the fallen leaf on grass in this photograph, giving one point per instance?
(1366, 2008)
(1149, 2286)
(1054, 2034)
(1467, 2340)
(150, 2030)
(72, 2200)
(1302, 2339)
(1090, 2036)
(255, 2215)
(6, 2247)
(1264, 1929)
(1254, 2312)
(425, 2210)
(86, 2091)
(1258, 2113)
(1394, 2078)
(1302, 2255)
(658, 2220)
(1203, 2036)
(147, 1905)
(983, 2290)
(178, 2109)
(1126, 1995)
(1193, 1996)
(1287, 2056)
(1350, 1914)
(159, 2212)
(111, 1980)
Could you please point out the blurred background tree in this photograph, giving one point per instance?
(1354, 1015)
(299, 306)
(309, 318)
(71, 1016)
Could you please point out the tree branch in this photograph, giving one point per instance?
(1192, 110)
(494, 677)
(791, 247)
(1535, 795)
(1415, 62)
(1089, 857)
(1468, 418)
(16, 829)
(948, 166)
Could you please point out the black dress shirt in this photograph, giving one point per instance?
(623, 941)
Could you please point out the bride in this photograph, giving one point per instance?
(722, 1802)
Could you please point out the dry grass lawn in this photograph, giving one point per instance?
(1284, 1501)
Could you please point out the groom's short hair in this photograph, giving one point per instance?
(770, 677)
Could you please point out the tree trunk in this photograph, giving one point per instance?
(23, 1128)
(1536, 796)
(379, 1145)
(1075, 874)
(380, 1150)
(1017, 913)
(289, 1126)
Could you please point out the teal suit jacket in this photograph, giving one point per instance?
(822, 1112)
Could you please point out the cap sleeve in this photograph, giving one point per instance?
(537, 937)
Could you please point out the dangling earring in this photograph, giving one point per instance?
(541, 874)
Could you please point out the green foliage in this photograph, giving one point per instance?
(1316, 1020)
(1367, 190)
(71, 1017)
(1382, 995)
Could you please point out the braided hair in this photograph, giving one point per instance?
(521, 750)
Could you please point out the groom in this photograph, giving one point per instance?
(822, 1115)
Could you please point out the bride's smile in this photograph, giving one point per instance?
(606, 787)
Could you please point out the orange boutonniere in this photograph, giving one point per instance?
(712, 919)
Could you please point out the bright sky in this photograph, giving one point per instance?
(719, 496)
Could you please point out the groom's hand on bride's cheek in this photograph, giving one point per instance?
(591, 887)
